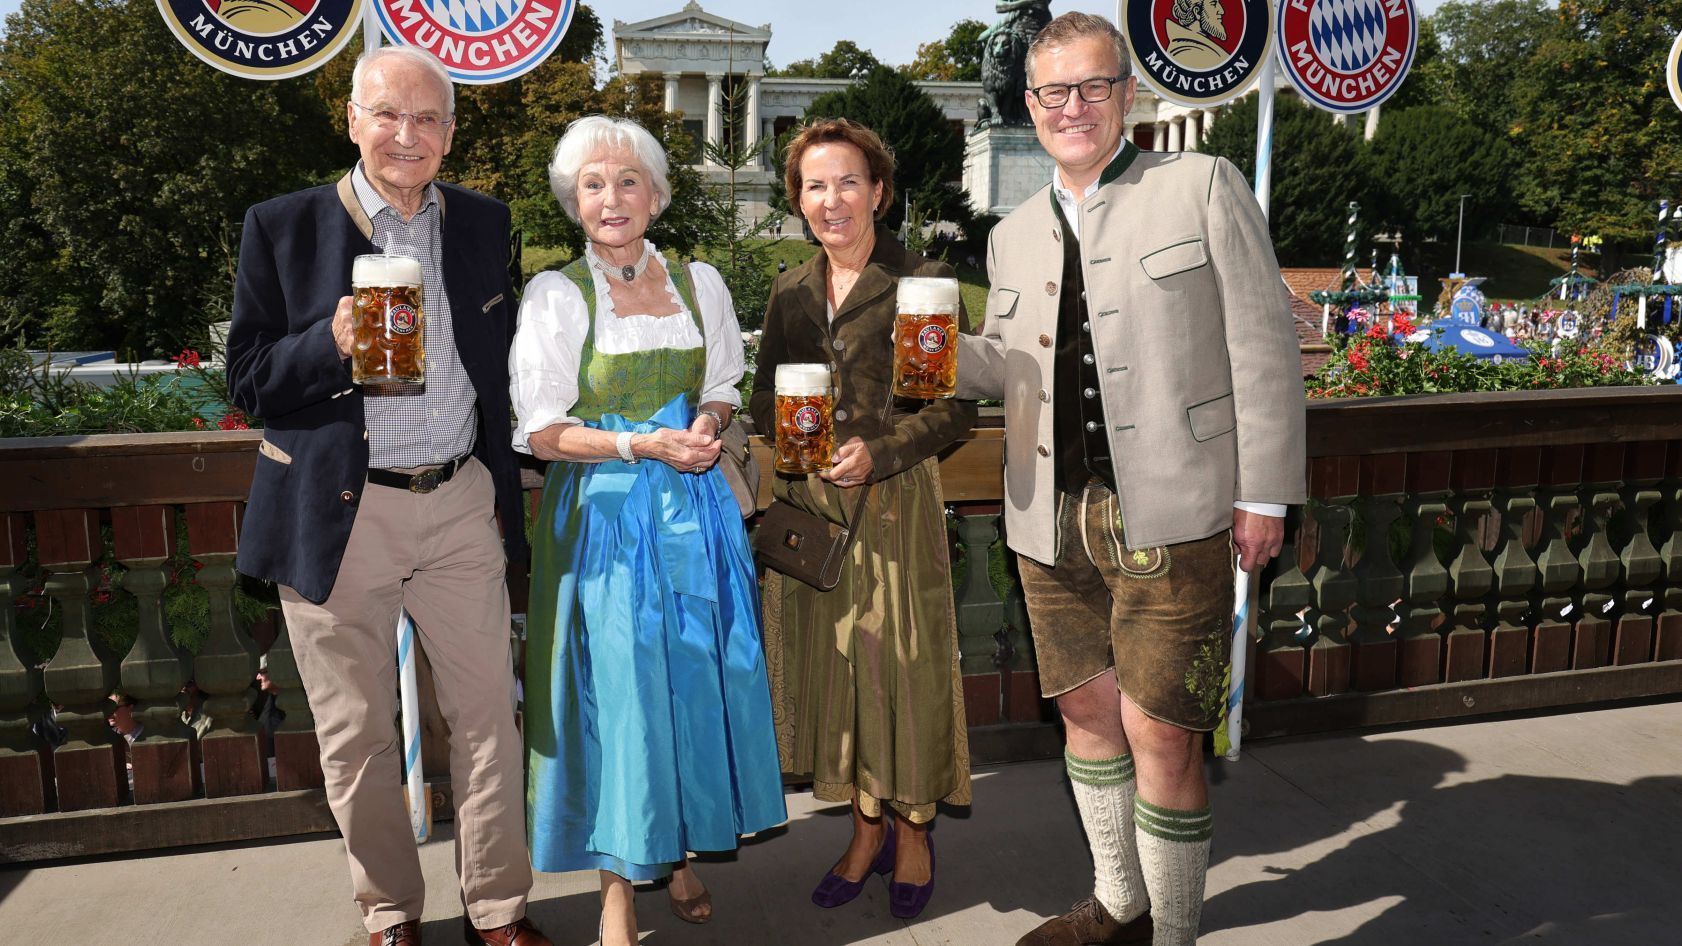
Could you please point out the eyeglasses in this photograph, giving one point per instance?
(425, 122)
(1092, 91)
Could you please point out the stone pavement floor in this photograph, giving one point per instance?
(1559, 829)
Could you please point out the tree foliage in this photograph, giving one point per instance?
(957, 58)
(125, 204)
(1316, 173)
(928, 151)
(1486, 48)
(845, 61)
(1423, 159)
(1595, 120)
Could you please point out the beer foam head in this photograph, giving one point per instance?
(919, 294)
(376, 270)
(802, 379)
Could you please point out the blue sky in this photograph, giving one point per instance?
(891, 29)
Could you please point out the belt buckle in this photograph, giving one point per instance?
(425, 482)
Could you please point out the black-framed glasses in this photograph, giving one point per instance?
(1092, 91)
(426, 122)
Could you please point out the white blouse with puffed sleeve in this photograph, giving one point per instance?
(549, 344)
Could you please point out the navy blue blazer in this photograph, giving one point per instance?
(294, 264)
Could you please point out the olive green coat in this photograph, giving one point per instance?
(797, 329)
(864, 678)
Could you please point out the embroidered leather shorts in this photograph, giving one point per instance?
(1162, 617)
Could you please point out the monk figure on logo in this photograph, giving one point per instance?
(1192, 32)
(262, 17)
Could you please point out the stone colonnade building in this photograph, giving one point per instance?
(703, 57)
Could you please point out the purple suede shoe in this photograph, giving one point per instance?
(907, 901)
(834, 890)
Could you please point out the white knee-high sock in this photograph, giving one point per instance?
(1104, 793)
(1174, 854)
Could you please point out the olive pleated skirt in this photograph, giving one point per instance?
(865, 687)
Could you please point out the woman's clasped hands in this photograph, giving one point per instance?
(687, 451)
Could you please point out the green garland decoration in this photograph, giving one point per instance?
(1352, 297)
(1643, 289)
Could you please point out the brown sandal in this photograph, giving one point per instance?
(689, 910)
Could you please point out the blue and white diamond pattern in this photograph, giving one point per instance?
(475, 16)
(1347, 34)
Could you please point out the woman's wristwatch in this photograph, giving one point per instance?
(717, 418)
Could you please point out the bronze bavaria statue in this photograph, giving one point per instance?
(1004, 61)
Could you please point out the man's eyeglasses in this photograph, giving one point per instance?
(1092, 91)
(425, 122)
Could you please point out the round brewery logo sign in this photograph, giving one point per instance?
(263, 39)
(480, 41)
(1347, 55)
(1199, 52)
(1672, 76)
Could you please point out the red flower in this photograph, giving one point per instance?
(198, 422)
(187, 359)
(1377, 331)
(1404, 327)
(233, 420)
(1357, 359)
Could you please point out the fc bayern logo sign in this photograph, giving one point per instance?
(1199, 52)
(480, 41)
(262, 39)
(1347, 55)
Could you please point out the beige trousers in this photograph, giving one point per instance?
(440, 556)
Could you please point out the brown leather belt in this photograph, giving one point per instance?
(423, 482)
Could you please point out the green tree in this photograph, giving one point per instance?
(1486, 46)
(1423, 84)
(955, 58)
(736, 245)
(131, 164)
(928, 150)
(1422, 160)
(1595, 121)
(845, 61)
(1317, 171)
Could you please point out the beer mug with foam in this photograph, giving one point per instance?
(805, 418)
(389, 325)
(926, 338)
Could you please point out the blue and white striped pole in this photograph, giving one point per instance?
(1243, 616)
(408, 688)
(1264, 138)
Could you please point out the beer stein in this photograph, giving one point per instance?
(389, 325)
(925, 338)
(805, 418)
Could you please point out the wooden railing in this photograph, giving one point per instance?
(1474, 554)
(1462, 554)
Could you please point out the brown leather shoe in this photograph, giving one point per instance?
(406, 933)
(521, 932)
(1088, 924)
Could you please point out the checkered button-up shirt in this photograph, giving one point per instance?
(437, 423)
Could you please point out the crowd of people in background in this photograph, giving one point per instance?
(1521, 322)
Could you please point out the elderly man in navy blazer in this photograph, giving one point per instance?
(365, 501)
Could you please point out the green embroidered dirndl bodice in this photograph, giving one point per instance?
(637, 384)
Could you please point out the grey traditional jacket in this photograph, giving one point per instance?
(1199, 370)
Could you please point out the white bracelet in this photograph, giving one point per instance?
(624, 444)
(718, 420)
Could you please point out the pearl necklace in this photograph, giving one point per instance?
(628, 272)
